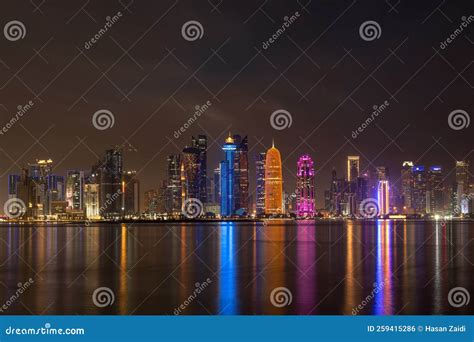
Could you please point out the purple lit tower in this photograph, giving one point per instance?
(305, 187)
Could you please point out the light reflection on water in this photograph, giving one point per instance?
(329, 267)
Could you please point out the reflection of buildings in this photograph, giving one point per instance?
(305, 187)
(273, 182)
(260, 180)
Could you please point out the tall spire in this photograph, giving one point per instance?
(273, 143)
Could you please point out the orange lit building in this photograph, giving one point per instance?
(273, 182)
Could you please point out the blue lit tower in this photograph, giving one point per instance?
(227, 177)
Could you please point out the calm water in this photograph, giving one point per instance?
(328, 268)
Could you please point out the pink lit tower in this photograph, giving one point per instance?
(305, 187)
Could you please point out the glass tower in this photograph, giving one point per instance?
(305, 187)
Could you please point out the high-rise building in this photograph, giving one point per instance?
(130, 194)
(151, 198)
(273, 182)
(419, 190)
(407, 186)
(352, 167)
(241, 176)
(200, 143)
(462, 186)
(382, 173)
(91, 200)
(227, 178)
(39, 173)
(110, 170)
(383, 197)
(305, 206)
(191, 168)
(217, 185)
(260, 182)
(435, 191)
(174, 195)
(74, 189)
(13, 181)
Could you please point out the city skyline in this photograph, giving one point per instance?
(152, 95)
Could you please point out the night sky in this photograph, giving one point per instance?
(320, 70)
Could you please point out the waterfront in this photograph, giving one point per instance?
(406, 267)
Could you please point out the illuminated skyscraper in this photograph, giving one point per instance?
(407, 186)
(241, 175)
(227, 178)
(260, 180)
(13, 180)
(91, 200)
(462, 186)
(130, 194)
(173, 174)
(305, 187)
(273, 182)
(419, 190)
(217, 185)
(200, 143)
(39, 173)
(435, 191)
(110, 180)
(383, 197)
(352, 167)
(74, 189)
(191, 164)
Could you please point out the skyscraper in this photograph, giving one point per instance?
(217, 185)
(260, 182)
(200, 143)
(13, 181)
(110, 171)
(435, 191)
(227, 178)
(74, 189)
(151, 199)
(419, 190)
(462, 186)
(305, 187)
(241, 175)
(383, 197)
(91, 200)
(191, 165)
(352, 167)
(174, 196)
(39, 173)
(130, 194)
(273, 182)
(407, 186)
